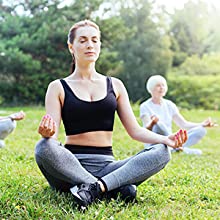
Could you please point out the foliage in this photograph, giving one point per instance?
(112, 32)
(33, 46)
(207, 65)
(186, 189)
(196, 91)
(145, 51)
(213, 39)
(137, 42)
(190, 31)
(28, 52)
(194, 30)
(178, 55)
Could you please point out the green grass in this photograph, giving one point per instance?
(188, 188)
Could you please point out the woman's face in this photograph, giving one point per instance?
(159, 90)
(86, 44)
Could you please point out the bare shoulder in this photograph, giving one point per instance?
(116, 80)
(118, 86)
(117, 83)
(56, 83)
(55, 88)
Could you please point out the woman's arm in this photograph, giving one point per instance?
(15, 116)
(182, 122)
(50, 123)
(130, 123)
(148, 124)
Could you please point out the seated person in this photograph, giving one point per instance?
(157, 114)
(86, 102)
(8, 124)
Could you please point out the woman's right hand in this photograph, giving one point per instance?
(47, 126)
(154, 119)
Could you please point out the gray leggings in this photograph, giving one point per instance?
(194, 134)
(6, 127)
(64, 169)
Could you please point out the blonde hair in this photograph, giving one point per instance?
(153, 81)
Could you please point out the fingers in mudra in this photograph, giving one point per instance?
(47, 126)
(47, 123)
(177, 141)
(185, 136)
(180, 138)
(41, 126)
(51, 127)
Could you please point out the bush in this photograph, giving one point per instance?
(194, 65)
(194, 91)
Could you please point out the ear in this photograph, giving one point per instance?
(70, 46)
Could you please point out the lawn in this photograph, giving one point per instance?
(188, 187)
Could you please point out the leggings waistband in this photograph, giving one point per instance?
(80, 149)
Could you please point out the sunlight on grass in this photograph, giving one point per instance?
(188, 188)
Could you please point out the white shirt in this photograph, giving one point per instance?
(164, 111)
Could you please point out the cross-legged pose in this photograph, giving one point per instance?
(87, 101)
(8, 124)
(158, 113)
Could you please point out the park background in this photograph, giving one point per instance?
(140, 38)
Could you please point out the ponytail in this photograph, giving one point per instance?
(73, 65)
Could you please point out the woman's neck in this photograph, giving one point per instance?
(157, 100)
(85, 71)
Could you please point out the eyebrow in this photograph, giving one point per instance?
(85, 37)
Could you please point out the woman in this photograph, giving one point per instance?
(158, 113)
(8, 124)
(86, 101)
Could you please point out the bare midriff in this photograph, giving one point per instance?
(94, 138)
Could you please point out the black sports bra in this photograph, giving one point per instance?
(81, 116)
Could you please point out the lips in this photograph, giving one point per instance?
(90, 53)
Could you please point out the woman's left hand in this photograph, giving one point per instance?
(177, 139)
(17, 116)
(209, 123)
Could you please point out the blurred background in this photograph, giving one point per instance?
(177, 39)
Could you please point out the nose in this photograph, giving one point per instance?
(89, 44)
(162, 86)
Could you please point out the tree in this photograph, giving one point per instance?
(33, 45)
(33, 48)
(213, 39)
(190, 30)
(145, 51)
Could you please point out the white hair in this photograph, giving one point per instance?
(153, 81)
